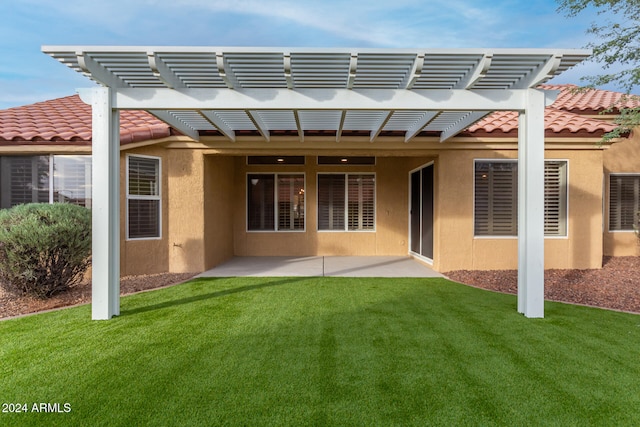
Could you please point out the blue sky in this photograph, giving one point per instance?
(27, 75)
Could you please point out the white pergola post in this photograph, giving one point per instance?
(531, 206)
(105, 159)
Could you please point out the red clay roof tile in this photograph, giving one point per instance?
(590, 101)
(68, 119)
(556, 123)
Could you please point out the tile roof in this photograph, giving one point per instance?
(565, 117)
(556, 123)
(591, 101)
(68, 121)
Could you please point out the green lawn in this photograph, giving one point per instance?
(323, 351)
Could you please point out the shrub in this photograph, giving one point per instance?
(44, 249)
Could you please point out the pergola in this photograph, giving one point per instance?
(236, 91)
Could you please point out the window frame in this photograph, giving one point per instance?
(613, 175)
(276, 202)
(346, 228)
(157, 197)
(515, 161)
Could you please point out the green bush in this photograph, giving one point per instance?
(44, 249)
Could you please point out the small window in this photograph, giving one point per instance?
(496, 198)
(555, 198)
(346, 202)
(28, 179)
(275, 160)
(143, 197)
(624, 202)
(275, 202)
(346, 160)
(72, 180)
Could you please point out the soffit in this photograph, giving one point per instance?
(367, 82)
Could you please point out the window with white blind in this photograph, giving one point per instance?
(496, 198)
(346, 202)
(624, 202)
(275, 202)
(143, 197)
(555, 198)
(28, 179)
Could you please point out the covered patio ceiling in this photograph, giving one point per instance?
(234, 91)
(269, 91)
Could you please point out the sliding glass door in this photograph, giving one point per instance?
(421, 212)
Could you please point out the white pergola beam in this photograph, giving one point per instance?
(531, 206)
(96, 71)
(414, 74)
(296, 117)
(343, 117)
(176, 123)
(105, 210)
(261, 127)
(415, 128)
(541, 75)
(376, 131)
(219, 124)
(221, 64)
(162, 72)
(476, 74)
(286, 59)
(462, 124)
(319, 99)
(353, 67)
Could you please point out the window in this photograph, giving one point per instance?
(346, 201)
(275, 202)
(346, 160)
(555, 198)
(143, 197)
(496, 198)
(275, 160)
(624, 202)
(27, 179)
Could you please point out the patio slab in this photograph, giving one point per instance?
(339, 266)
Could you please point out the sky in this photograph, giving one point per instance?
(27, 75)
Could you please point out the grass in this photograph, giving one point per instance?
(323, 351)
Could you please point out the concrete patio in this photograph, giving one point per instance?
(344, 266)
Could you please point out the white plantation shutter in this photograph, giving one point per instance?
(331, 201)
(143, 197)
(346, 202)
(361, 202)
(624, 201)
(496, 199)
(555, 198)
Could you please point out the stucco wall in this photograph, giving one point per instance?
(218, 209)
(147, 256)
(186, 211)
(456, 246)
(622, 157)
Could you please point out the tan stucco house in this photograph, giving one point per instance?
(194, 205)
(189, 201)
